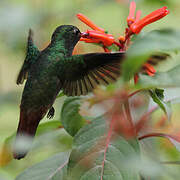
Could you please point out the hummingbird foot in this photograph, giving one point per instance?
(51, 112)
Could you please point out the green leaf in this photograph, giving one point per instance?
(53, 168)
(48, 126)
(4, 175)
(170, 78)
(158, 97)
(94, 157)
(165, 40)
(70, 117)
(132, 65)
(57, 138)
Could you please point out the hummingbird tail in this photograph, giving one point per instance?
(26, 131)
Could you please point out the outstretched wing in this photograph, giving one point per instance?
(84, 72)
(31, 56)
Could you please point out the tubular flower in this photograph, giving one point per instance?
(137, 26)
(149, 69)
(97, 35)
(132, 9)
(90, 40)
(89, 23)
(138, 15)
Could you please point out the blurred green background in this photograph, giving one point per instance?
(43, 16)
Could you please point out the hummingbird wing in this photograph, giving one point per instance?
(84, 72)
(31, 56)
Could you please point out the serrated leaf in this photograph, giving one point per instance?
(53, 168)
(170, 78)
(70, 117)
(93, 158)
(158, 97)
(165, 40)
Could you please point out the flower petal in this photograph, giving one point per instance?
(138, 15)
(149, 69)
(99, 37)
(132, 9)
(88, 22)
(137, 26)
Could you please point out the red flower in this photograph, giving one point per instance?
(132, 9)
(138, 25)
(149, 69)
(88, 22)
(97, 35)
(135, 25)
(138, 15)
(89, 40)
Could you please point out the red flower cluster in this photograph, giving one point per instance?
(138, 24)
(148, 68)
(97, 35)
(135, 25)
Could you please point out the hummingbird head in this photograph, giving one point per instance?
(68, 35)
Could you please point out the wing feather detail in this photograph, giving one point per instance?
(91, 70)
(95, 69)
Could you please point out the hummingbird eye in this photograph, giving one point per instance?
(76, 31)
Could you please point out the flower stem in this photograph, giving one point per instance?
(129, 117)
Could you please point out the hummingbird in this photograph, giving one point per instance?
(55, 68)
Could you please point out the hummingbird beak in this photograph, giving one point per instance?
(84, 35)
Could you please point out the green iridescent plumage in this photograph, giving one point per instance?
(31, 57)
